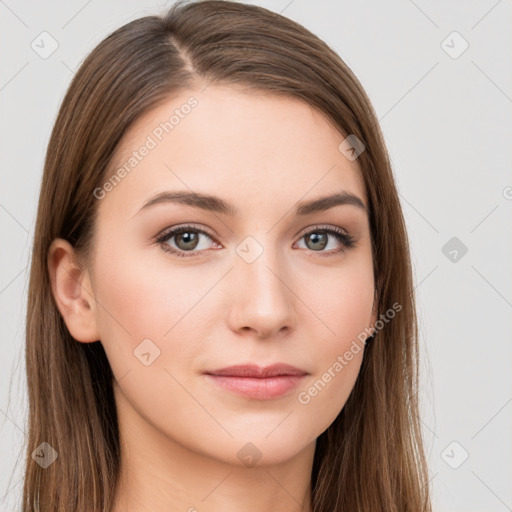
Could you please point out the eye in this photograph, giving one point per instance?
(318, 239)
(188, 238)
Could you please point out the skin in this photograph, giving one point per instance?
(295, 303)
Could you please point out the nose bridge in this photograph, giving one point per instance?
(263, 301)
(259, 264)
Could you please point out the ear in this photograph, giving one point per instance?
(73, 293)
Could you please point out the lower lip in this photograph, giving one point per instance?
(258, 388)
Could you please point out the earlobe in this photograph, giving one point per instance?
(72, 291)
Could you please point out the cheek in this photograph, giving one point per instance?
(340, 300)
(140, 290)
(137, 301)
(338, 361)
(145, 297)
(344, 306)
(132, 302)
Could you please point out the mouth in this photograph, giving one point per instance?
(259, 383)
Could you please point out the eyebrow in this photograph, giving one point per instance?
(218, 205)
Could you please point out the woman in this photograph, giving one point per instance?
(218, 235)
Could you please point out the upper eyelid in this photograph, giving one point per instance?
(171, 231)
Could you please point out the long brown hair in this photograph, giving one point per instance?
(371, 458)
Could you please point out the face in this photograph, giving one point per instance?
(249, 279)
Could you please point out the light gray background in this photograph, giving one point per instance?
(447, 124)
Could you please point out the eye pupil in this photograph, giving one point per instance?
(317, 237)
(190, 240)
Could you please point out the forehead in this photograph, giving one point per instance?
(243, 145)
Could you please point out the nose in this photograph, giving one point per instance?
(263, 301)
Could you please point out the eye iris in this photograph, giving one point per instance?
(189, 238)
(317, 237)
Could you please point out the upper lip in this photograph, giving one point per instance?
(252, 370)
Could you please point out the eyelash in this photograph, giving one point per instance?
(347, 241)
